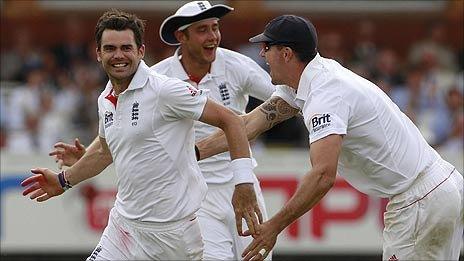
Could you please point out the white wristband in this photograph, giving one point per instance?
(242, 170)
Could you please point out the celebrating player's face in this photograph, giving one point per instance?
(119, 54)
(273, 57)
(201, 40)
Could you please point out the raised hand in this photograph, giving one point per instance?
(43, 185)
(246, 206)
(67, 154)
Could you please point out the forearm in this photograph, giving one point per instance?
(217, 142)
(95, 160)
(311, 190)
(261, 119)
(94, 146)
(214, 144)
(236, 138)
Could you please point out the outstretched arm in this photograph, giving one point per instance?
(261, 119)
(231, 125)
(315, 184)
(45, 183)
(244, 197)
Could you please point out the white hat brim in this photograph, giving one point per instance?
(173, 22)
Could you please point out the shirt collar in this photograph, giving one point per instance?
(141, 76)
(218, 66)
(304, 86)
(177, 68)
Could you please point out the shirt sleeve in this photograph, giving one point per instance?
(258, 82)
(327, 113)
(180, 100)
(101, 119)
(287, 94)
(101, 127)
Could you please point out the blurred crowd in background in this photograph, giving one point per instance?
(49, 94)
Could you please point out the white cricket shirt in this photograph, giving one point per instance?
(151, 138)
(382, 150)
(232, 79)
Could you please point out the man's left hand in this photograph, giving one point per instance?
(246, 206)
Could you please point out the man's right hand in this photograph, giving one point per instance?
(43, 185)
(67, 154)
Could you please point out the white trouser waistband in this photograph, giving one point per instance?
(427, 181)
(154, 226)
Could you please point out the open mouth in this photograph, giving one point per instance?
(210, 47)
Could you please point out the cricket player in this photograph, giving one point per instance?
(357, 131)
(229, 78)
(146, 129)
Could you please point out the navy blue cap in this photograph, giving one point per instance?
(289, 29)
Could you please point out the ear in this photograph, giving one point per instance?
(97, 51)
(180, 36)
(142, 51)
(288, 54)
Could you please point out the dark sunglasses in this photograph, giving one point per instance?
(267, 45)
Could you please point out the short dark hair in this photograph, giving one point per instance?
(118, 20)
(304, 54)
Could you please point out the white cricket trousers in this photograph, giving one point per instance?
(125, 239)
(426, 221)
(217, 222)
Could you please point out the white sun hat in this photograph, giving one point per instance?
(187, 14)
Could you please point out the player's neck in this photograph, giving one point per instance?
(119, 86)
(294, 75)
(194, 68)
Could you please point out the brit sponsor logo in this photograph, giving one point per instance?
(319, 122)
(194, 91)
(108, 119)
